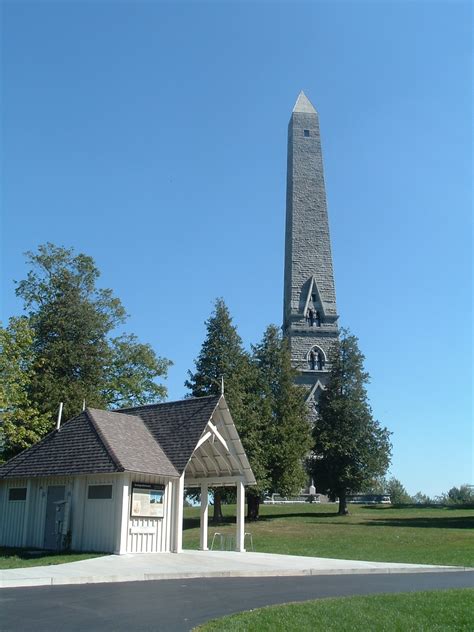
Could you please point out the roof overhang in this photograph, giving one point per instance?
(219, 458)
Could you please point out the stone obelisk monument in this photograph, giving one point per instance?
(309, 311)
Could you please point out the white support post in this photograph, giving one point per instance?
(123, 492)
(240, 521)
(204, 516)
(178, 501)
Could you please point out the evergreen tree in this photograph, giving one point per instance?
(21, 424)
(222, 356)
(269, 411)
(287, 435)
(74, 356)
(350, 447)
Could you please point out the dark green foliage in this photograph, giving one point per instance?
(131, 372)
(268, 410)
(287, 438)
(222, 356)
(422, 499)
(392, 486)
(397, 492)
(21, 422)
(463, 495)
(350, 447)
(73, 356)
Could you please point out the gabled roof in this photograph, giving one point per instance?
(75, 449)
(177, 426)
(130, 444)
(156, 439)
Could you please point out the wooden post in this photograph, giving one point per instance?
(240, 519)
(204, 516)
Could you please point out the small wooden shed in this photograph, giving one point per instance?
(114, 481)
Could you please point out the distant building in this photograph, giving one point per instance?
(309, 313)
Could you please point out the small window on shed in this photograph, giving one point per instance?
(306, 132)
(17, 493)
(99, 492)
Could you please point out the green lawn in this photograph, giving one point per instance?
(22, 558)
(449, 610)
(422, 535)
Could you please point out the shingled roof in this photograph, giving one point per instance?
(75, 449)
(177, 426)
(156, 439)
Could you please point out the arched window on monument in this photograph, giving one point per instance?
(316, 359)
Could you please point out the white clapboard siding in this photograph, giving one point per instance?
(12, 515)
(99, 522)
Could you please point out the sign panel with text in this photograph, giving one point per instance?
(147, 500)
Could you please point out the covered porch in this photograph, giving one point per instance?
(218, 460)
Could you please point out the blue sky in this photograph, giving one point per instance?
(152, 136)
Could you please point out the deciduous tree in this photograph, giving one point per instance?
(75, 357)
(21, 423)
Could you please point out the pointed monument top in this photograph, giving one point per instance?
(303, 104)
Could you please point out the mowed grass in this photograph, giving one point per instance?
(23, 558)
(434, 611)
(418, 535)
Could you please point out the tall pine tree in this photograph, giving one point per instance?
(287, 435)
(222, 356)
(351, 448)
(269, 411)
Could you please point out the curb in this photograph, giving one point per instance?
(140, 577)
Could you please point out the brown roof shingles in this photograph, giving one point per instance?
(130, 443)
(74, 449)
(177, 426)
(155, 439)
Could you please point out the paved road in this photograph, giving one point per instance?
(179, 605)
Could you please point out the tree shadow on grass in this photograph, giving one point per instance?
(417, 506)
(434, 522)
(193, 523)
(282, 516)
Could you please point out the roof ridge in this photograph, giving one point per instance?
(174, 401)
(105, 443)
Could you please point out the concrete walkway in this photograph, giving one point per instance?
(192, 564)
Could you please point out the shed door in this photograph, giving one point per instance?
(56, 493)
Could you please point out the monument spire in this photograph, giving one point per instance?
(309, 312)
(303, 104)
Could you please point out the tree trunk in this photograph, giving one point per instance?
(217, 516)
(343, 511)
(253, 507)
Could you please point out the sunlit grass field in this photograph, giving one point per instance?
(414, 534)
(436, 611)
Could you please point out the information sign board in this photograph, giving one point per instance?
(147, 500)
